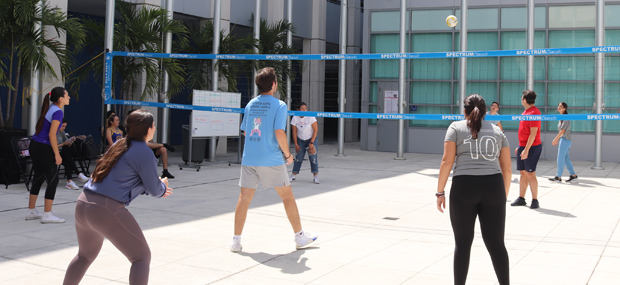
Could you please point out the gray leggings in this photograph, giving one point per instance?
(96, 217)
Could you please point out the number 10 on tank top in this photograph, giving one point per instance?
(490, 151)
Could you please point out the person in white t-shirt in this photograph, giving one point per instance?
(305, 130)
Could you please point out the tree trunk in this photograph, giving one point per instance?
(9, 122)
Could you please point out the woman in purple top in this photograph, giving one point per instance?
(46, 156)
(127, 170)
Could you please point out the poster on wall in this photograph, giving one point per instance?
(391, 102)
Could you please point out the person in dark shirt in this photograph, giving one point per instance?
(126, 171)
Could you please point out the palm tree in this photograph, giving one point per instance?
(199, 71)
(24, 47)
(273, 41)
(137, 30)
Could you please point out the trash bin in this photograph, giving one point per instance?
(198, 147)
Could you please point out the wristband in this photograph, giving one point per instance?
(440, 194)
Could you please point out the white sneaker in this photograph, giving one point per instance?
(316, 180)
(305, 239)
(71, 185)
(236, 245)
(293, 177)
(83, 178)
(33, 214)
(49, 218)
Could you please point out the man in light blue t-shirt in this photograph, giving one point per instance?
(264, 125)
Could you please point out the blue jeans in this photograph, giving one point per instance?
(314, 161)
(563, 158)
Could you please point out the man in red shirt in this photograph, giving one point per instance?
(528, 151)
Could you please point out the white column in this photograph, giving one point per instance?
(401, 80)
(463, 60)
(600, 84)
(342, 82)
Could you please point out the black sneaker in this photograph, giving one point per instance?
(572, 179)
(519, 202)
(555, 179)
(170, 147)
(166, 174)
(534, 204)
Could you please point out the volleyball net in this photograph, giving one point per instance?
(560, 75)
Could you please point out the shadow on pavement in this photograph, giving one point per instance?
(295, 264)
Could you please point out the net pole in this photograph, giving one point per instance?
(463, 60)
(165, 120)
(530, 44)
(289, 85)
(216, 48)
(343, 77)
(600, 84)
(108, 44)
(401, 81)
(256, 37)
(35, 85)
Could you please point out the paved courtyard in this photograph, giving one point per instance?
(376, 218)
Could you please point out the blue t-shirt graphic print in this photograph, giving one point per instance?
(262, 117)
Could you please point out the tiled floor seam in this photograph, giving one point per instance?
(601, 256)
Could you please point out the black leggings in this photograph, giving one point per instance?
(68, 162)
(485, 197)
(45, 169)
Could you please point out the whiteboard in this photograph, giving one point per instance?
(214, 124)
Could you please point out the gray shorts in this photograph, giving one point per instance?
(269, 176)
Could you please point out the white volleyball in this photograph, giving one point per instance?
(452, 21)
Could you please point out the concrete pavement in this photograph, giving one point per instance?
(376, 218)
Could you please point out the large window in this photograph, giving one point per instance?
(572, 17)
(435, 68)
(384, 68)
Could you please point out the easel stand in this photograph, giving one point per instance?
(239, 149)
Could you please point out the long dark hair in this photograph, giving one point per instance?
(137, 125)
(475, 109)
(53, 96)
(110, 120)
(565, 109)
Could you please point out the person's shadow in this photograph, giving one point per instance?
(290, 263)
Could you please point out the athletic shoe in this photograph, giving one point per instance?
(170, 147)
(572, 179)
(555, 179)
(33, 214)
(535, 204)
(316, 180)
(293, 177)
(236, 245)
(49, 218)
(166, 174)
(71, 185)
(82, 178)
(519, 202)
(305, 239)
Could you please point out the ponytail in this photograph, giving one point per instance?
(138, 124)
(109, 159)
(475, 110)
(44, 108)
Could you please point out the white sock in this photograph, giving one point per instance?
(237, 237)
(299, 233)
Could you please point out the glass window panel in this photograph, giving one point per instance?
(571, 68)
(516, 18)
(510, 93)
(384, 68)
(515, 68)
(488, 90)
(518, 40)
(430, 123)
(612, 67)
(572, 16)
(611, 126)
(372, 109)
(440, 68)
(430, 20)
(430, 93)
(372, 98)
(574, 94)
(480, 68)
(564, 39)
(385, 21)
(612, 96)
(611, 15)
(480, 19)
(480, 41)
